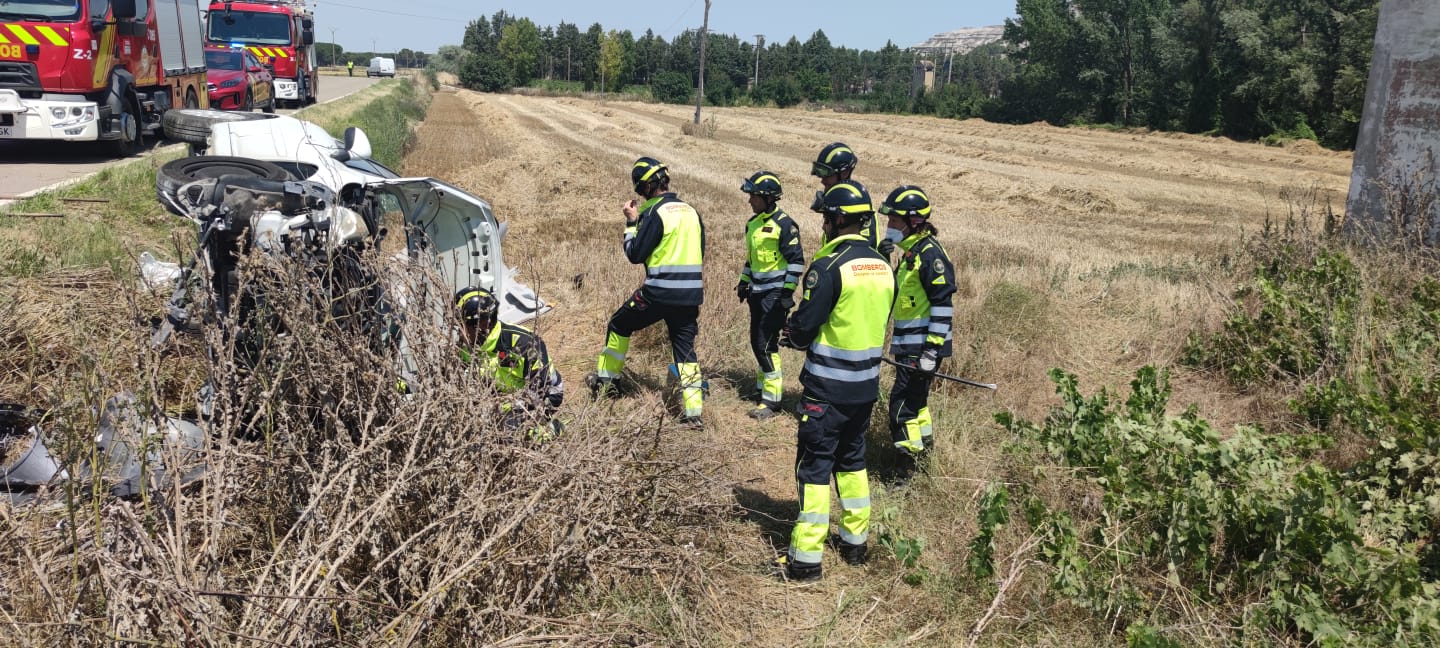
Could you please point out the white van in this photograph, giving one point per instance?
(381, 67)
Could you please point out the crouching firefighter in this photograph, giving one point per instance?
(772, 268)
(516, 361)
(925, 281)
(668, 237)
(841, 323)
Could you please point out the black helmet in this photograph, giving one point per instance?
(645, 171)
(476, 305)
(908, 201)
(833, 159)
(846, 201)
(763, 183)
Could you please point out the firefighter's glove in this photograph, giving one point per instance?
(819, 204)
(929, 360)
(787, 301)
(742, 290)
(785, 340)
(886, 247)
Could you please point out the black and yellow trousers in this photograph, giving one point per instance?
(830, 443)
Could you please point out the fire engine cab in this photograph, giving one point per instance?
(88, 70)
(281, 33)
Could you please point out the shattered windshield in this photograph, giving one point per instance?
(222, 60)
(53, 10)
(249, 27)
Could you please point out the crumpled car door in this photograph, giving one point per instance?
(459, 235)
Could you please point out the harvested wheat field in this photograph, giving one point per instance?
(1091, 251)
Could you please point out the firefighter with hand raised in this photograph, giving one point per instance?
(925, 281)
(668, 237)
(773, 263)
(840, 322)
(515, 360)
(835, 164)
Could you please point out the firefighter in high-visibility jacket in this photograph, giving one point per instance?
(841, 324)
(773, 263)
(925, 281)
(516, 361)
(668, 237)
(835, 164)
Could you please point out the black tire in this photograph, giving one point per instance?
(270, 105)
(177, 173)
(248, 105)
(192, 126)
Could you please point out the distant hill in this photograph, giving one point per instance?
(961, 41)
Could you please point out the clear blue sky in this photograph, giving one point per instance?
(427, 24)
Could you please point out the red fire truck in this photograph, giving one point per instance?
(281, 33)
(87, 70)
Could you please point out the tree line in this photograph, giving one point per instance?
(1243, 68)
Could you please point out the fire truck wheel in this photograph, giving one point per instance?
(178, 173)
(192, 125)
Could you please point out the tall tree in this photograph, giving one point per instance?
(520, 45)
(612, 59)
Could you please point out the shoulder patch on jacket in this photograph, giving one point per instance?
(812, 278)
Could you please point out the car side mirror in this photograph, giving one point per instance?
(123, 9)
(357, 143)
(256, 68)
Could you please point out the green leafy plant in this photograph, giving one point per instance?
(1330, 556)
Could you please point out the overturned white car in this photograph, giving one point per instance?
(457, 230)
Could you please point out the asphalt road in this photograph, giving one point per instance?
(30, 167)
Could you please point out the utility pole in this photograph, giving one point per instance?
(700, 91)
(759, 43)
(373, 48)
(332, 46)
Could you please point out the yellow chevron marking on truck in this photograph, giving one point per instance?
(52, 36)
(281, 53)
(23, 35)
(3, 40)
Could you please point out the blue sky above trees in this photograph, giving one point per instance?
(427, 24)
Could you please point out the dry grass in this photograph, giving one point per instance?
(336, 511)
(1092, 251)
(1088, 250)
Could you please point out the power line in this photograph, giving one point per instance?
(449, 19)
(678, 18)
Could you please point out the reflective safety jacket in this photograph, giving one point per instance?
(516, 359)
(925, 281)
(848, 294)
(669, 238)
(775, 258)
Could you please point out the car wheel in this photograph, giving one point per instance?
(131, 138)
(270, 105)
(248, 105)
(192, 125)
(178, 173)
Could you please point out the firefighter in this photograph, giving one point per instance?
(925, 284)
(668, 237)
(773, 265)
(350, 67)
(835, 163)
(847, 297)
(515, 359)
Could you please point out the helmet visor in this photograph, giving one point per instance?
(748, 187)
(822, 170)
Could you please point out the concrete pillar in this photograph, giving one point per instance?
(1393, 183)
